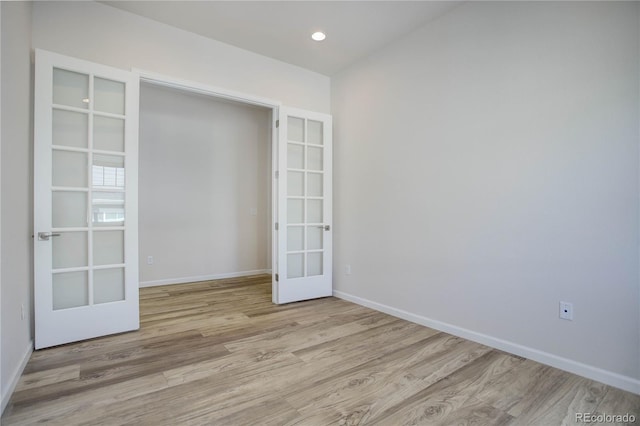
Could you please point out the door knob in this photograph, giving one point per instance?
(325, 227)
(44, 236)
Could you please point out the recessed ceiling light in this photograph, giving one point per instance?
(318, 36)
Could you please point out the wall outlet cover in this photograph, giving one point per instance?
(566, 311)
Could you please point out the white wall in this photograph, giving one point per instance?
(16, 277)
(204, 187)
(486, 168)
(103, 34)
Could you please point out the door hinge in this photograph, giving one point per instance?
(277, 124)
(277, 226)
(277, 277)
(277, 174)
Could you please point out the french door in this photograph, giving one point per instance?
(304, 220)
(85, 189)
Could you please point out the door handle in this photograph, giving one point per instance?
(44, 236)
(325, 227)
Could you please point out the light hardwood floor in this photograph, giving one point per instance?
(219, 353)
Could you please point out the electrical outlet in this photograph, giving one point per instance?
(566, 311)
(149, 260)
(347, 270)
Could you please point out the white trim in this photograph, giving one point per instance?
(15, 378)
(204, 89)
(607, 377)
(275, 171)
(203, 278)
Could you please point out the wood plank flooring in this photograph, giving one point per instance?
(220, 353)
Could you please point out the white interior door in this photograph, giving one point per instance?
(304, 184)
(85, 189)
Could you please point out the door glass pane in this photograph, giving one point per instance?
(108, 285)
(295, 184)
(107, 208)
(108, 133)
(69, 209)
(70, 289)
(314, 158)
(70, 128)
(314, 211)
(69, 169)
(314, 184)
(295, 238)
(314, 264)
(69, 250)
(108, 247)
(295, 265)
(315, 132)
(295, 156)
(295, 211)
(107, 171)
(314, 237)
(70, 88)
(295, 129)
(108, 96)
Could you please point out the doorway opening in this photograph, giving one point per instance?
(205, 199)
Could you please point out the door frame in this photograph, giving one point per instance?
(157, 79)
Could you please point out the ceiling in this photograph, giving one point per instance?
(282, 29)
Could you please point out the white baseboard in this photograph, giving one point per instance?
(16, 377)
(607, 377)
(203, 278)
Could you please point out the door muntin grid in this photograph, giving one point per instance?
(88, 189)
(305, 197)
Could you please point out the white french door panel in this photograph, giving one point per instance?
(85, 200)
(304, 206)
